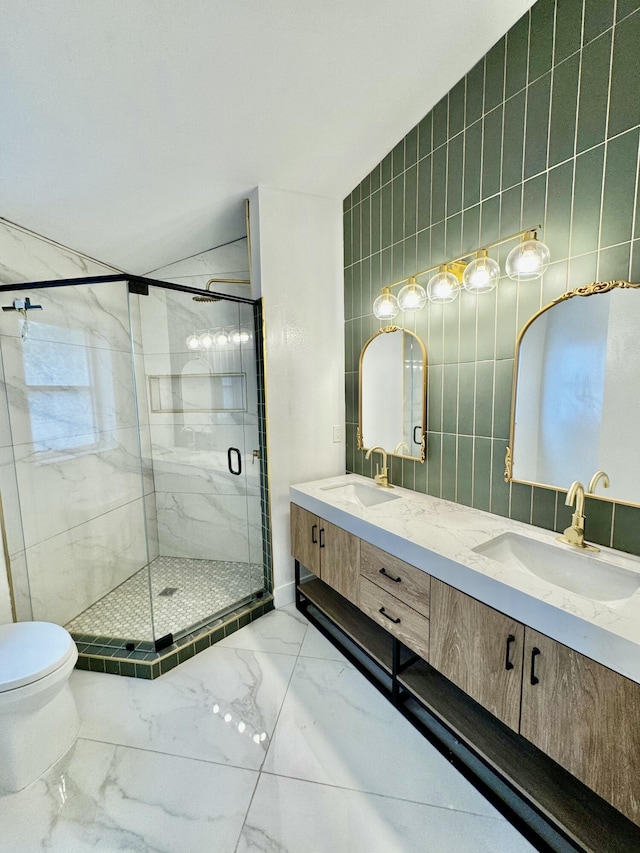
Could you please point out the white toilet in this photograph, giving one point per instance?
(38, 717)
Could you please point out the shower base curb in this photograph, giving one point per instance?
(114, 658)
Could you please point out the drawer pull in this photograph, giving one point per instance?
(314, 530)
(534, 654)
(507, 661)
(322, 537)
(391, 577)
(390, 618)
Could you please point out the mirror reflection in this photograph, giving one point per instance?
(393, 376)
(576, 404)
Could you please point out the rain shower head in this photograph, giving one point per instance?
(205, 298)
(210, 297)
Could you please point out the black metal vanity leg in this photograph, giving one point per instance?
(297, 583)
(395, 669)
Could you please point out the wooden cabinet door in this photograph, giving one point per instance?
(340, 560)
(584, 716)
(479, 649)
(305, 538)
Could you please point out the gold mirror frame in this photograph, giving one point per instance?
(592, 289)
(385, 330)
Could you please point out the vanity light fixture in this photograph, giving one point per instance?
(482, 274)
(529, 260)
(221, 339)
(386, 307)
(475, 271)
(206, 340)
(444, 286)
(412, 297)
(240, 336)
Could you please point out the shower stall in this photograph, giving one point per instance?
(132, 461)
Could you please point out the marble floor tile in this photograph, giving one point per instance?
(336, 728)
(316, 645)
(292, 815)
(279, 632)
(221, 705)
(104, 797)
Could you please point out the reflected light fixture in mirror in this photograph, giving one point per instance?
(482, 274)
(386, 305)
(475, 271)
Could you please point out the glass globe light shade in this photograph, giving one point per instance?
(221, 339)
(412, 297)
(206, 340)
(386, 307)
(528, 260)
(481, 275)
(193, 342)
(240, 336)
(443, 286)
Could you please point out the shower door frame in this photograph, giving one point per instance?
(140, 285)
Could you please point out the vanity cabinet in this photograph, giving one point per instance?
(328, 551)
(479, 649)
(396, 596)
(584, 716)
(553, 724)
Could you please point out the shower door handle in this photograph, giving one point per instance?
(417, 440)
(238, 468)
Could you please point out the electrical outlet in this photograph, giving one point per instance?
(337, 434)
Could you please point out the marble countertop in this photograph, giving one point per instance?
(438, 537)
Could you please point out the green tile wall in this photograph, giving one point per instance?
(544, 129)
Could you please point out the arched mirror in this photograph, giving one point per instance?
(393, 391)
(576, 395)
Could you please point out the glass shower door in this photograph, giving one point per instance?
(199, 372)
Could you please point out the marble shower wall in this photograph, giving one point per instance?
(26, 256)
(203, 510)
(70, 461)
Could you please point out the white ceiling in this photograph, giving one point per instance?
(132, 129)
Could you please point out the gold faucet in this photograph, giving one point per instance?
(399, 446)
(382, 476)
(574, 535)
(599, 475)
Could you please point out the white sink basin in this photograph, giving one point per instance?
(591, 575)
(360, 494)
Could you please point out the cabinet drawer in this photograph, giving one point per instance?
(400, 620)
(403, 581)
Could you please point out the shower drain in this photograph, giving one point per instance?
(168, 590)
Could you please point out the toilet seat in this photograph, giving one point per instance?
(31, 650)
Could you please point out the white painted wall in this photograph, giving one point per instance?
(296, 245)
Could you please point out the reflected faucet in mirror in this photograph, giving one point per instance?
(398, 448)
(382, 475)
(574, 535)
(191, 436)
(599, 475)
